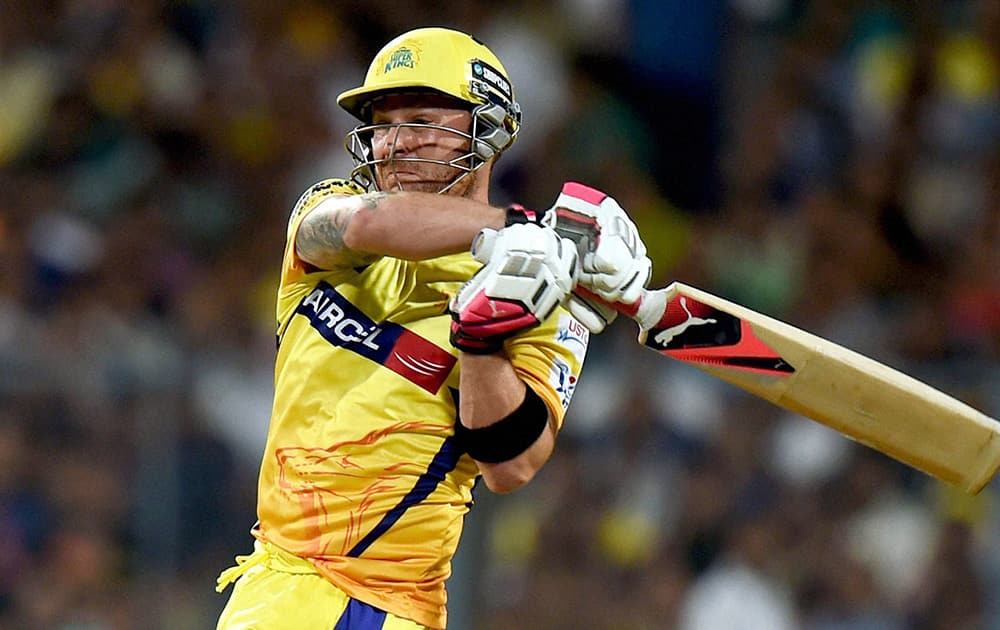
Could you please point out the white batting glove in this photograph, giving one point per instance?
(584, 231)
(528, 271)
(594, 315)
(617, 268)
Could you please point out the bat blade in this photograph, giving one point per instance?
(860, 397)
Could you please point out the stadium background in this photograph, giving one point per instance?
(833, 163)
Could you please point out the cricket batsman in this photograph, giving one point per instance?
(426, 338)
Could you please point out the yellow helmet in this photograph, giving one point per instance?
(442, 61)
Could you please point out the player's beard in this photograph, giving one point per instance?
(416, 176)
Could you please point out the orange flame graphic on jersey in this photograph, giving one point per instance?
(344, 474)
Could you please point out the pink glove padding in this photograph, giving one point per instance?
(485, 322)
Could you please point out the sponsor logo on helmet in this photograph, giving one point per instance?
(492, 77)
(402, 57)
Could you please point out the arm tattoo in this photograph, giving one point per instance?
(372, 200)
(321, 236)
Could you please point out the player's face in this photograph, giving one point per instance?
(416, 139)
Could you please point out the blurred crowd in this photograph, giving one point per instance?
(834, 163)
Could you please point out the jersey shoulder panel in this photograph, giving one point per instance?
(314, 195)
(292, 267)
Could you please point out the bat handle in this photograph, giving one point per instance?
(647, 311)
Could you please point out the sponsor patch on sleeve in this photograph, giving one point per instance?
(573, 336)
(563, 380)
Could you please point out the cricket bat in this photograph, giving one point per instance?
(861, 398)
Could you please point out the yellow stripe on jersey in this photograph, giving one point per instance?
(361, 474)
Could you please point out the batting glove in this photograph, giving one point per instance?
(583, 230)
(616, 269)
(528, 271)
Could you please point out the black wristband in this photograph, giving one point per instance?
(509, 437)
(516, 213)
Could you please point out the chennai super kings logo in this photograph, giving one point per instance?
(402, 57)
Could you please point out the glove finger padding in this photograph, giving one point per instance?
(593, 315)
(482, 245)
(625, 287)
(529, 271)
(616, 268)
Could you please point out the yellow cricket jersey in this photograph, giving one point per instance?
(361, 473)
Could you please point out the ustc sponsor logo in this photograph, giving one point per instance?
(573, 336)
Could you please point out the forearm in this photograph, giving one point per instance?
(355, 230)
(490, 390)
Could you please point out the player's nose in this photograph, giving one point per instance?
(399, 140)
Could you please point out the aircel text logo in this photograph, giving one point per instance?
(391, 345)
(330, 316)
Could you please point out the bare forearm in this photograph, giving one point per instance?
(490, 390)
(355, 230)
